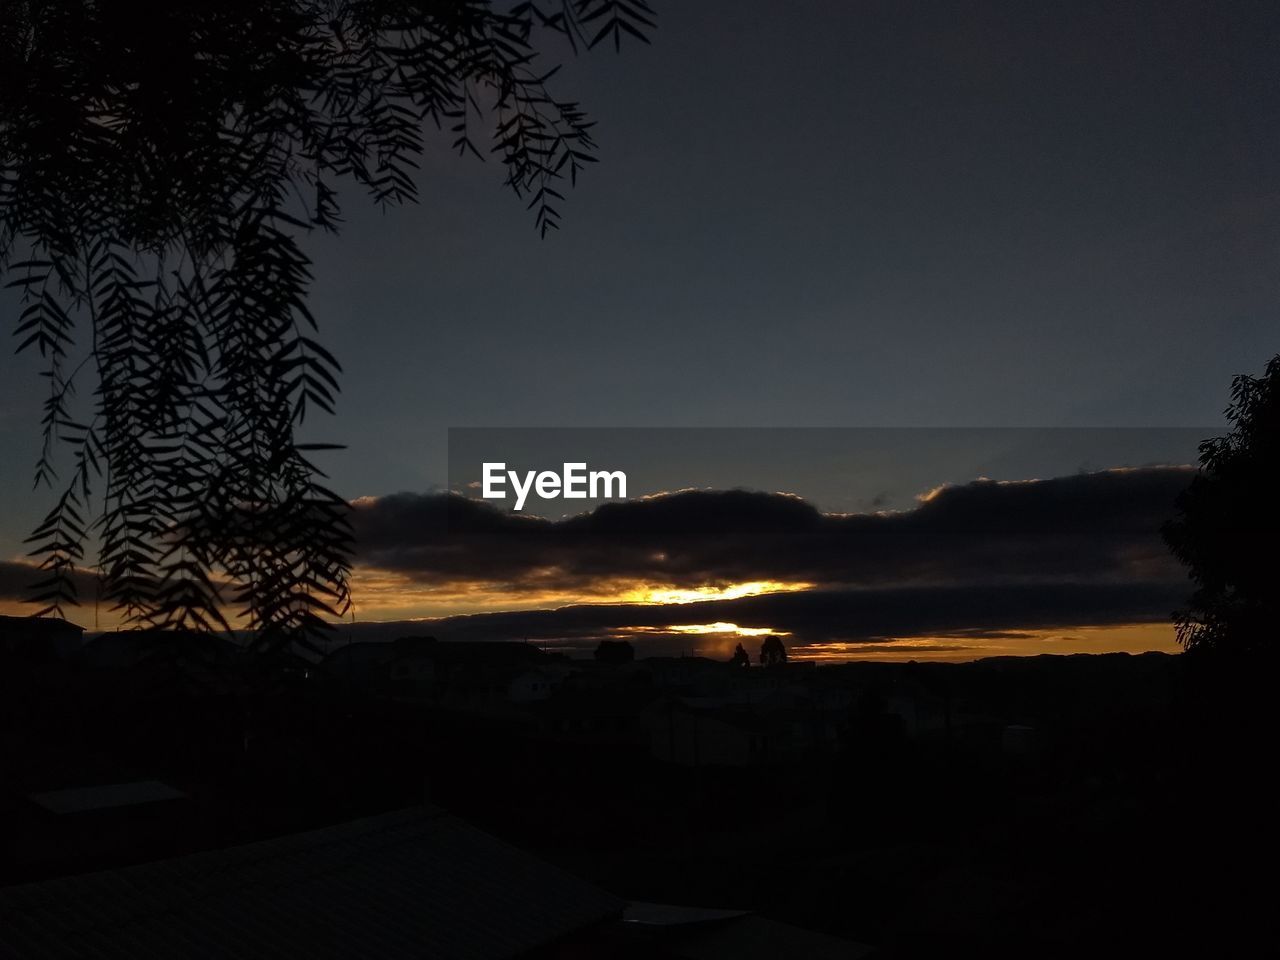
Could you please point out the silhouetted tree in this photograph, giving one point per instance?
(615, 651)
(740, 657)
(772, 652)
(157, 162)
(1227, 530)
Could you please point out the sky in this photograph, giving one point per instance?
(824, 214)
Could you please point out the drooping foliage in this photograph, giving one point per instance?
(1228, 527)
(158, 163)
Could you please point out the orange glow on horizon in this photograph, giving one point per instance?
(383, 594)
(1130, 638)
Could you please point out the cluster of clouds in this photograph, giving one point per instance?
(17, 577)
(982, 557)
(839, 616)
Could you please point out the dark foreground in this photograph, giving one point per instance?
(1100, 806)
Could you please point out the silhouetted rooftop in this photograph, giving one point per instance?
(413, 883)
(105, 796)
(698, 933)
(39, 623)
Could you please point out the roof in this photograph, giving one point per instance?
(699, 933)
(670, 915)
(414, 883)
(106, 796)
(505, 653)
(758, 938)
(127, 648)
(149, 663)
(52, 624)
(360, 654)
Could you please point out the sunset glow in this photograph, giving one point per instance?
(658, 594)
(1126, 638)
(698, 628)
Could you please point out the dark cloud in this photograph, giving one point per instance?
(818, 616)
(17, 578)
(1092, 528)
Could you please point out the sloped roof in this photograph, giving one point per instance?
(699, 933)
(415, 883)
(105, 796)
(758, 938)
(150, 663)
(127, 648)
(38, 623)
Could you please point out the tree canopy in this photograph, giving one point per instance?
(772, 652)
(158, 164)
(1227, 528)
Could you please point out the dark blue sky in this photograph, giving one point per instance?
(826, 214)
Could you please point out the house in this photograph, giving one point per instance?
(410, 884)
(412, 673)
(534, 686)
(73, 826)
(688, 674)
(458, 674)
(703, 731)
(922, 713)
(1018, 740)
(38, 639)
(603, 715)
(700, 933)
(164, 663)
(357, 668)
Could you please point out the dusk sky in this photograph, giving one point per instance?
(823, 214)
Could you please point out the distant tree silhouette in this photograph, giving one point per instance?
(1227, 529)
(772, 652)
(615, 651)
(740, 657)
(157, 162)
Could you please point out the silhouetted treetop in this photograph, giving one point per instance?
(772, 652)
(157, 163)
(1227, 530)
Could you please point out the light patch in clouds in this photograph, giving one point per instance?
(656, 593)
